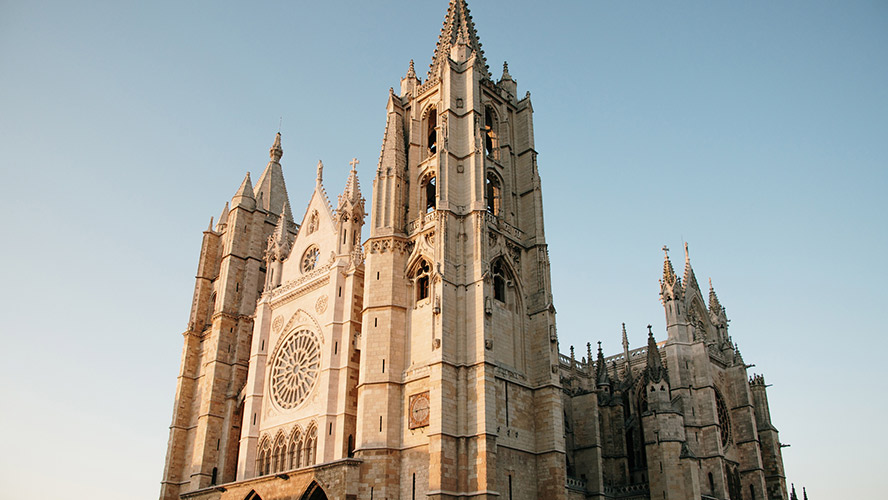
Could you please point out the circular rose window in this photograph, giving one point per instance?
(310, 259)
(295, 369)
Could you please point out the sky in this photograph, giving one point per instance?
(755, 131)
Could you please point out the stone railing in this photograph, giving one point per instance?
(420, 223)
(576, 484)
(628, 491)
(502, 225)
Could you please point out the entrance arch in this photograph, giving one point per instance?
(314, 492)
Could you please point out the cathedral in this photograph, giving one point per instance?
(406, 348)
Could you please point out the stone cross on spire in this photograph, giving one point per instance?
(354, 163)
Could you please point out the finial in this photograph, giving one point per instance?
(411, 72)
(650, 333)
(276, 152)
(354, 163)
(687, 258)
(320, 177)
(625, 339)
(506, 75)
(589, 350)
(668, 272)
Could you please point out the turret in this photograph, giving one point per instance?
(350, 213)
(244, 196)
(277, 250)
(410, 82)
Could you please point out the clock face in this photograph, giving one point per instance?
(419, 410)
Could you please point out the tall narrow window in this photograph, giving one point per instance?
(421, 280)
(432, 132)
(430, 194)
(489, 132)
(494, 196)
(499, 281)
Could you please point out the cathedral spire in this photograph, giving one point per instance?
(271, 191)
(458, 31)
(714, 305)
(276, 152)
(670, 284)
(689, 279)
(601, 375)
(352, 191)
(655, 371)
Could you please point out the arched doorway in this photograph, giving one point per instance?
(314, 492)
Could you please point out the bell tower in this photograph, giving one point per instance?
(458, 389)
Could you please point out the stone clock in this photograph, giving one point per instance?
(419, 410)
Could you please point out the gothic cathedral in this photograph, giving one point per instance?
(422, 361)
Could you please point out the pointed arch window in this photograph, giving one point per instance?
(311, 446)
(421, 279)
(432, 132)
(279, 454)
(295, 450)
(263, 458)
(429, 194)
(500, 278)
(489, 132)
(494, 194)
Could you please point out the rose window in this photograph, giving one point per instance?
(310, 259)
(295, 369)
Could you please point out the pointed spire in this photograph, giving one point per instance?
(210, 227)
(655, 371)
(626, 353)
(352, 192)
(668, 271)
(458, 29)
(506, 75)
(223, 218)
(279, 242)
(793, 496)
(804, 494)
(276, 152)
(602, 375)
(689, 279)
(714, 305)
(246, 187)
(411, 71)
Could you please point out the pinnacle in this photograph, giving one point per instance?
(411, 71)
(690, 281)
(668, 272)
(714, 305)
(352, 192)
(506, 75)
(246, 188)
(276, 152)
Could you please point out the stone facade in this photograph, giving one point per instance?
(423, 362)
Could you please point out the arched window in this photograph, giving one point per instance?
(489, 132)
(432, 132)
(711, 484)
(350, 451)
(724, 419)
(296, 449)
(500, 277)
(263, 458)
(421, 279)
(280, 447)
(429, 193)
(494, 194)
(311, 446)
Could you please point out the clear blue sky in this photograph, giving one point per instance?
(756, 131)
